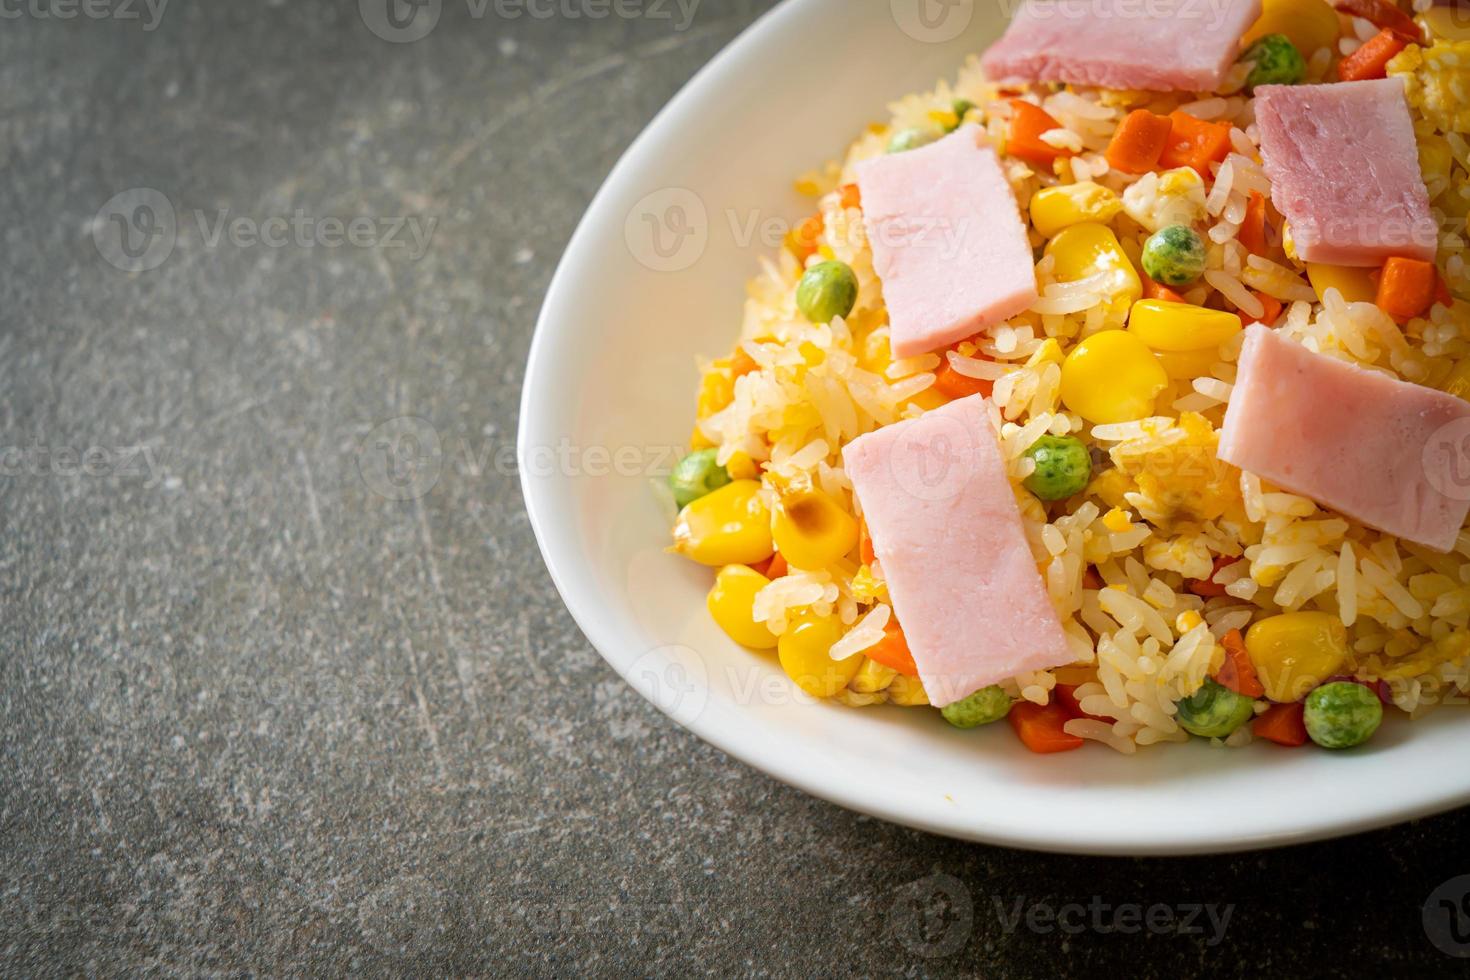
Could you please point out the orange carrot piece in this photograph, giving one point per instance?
(1152, 290)
(1371, 60)
(1238, 672)
(1253, 230)
(742, 363)
(1283, 724)
(803, 238)
(1195, 143)
(1209, 588)
(865, 544)
(1273, 307)
(893, 651)
(852, 196)
(773, 567)
(1139, 142)
(1028, 123)
(1407, 288)
(1042, 729)
(951, 384)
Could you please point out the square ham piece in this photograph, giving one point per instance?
(947, 534)
(948, 242)
(1387, 453)
(1163, 45)
(1344, 169)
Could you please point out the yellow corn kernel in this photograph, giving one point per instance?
(1295, 652)
(867, 588)
(1187, 620)
(872, 677)
(1288, 242)
(716, 390)
(1458, 382)
(1088, 249)
(1186, 365)
(742, 467)
(698, 440)
(1112, 377)
(1356, 285)
(1165, 325)
(1309, 24)
(1117, 520)
(805, 655)
(731, 603)
(811, 530)
(728, 527)
(907, 692)
(875, 354)
(1110, 485)
(1055, 208)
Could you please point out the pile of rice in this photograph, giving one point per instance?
(1157, 516)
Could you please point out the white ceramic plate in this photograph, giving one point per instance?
(610, 384)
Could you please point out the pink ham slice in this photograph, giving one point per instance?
(1384, 452)
(948, 242)
(1345, 172)
(1164, 45)
(947, 533)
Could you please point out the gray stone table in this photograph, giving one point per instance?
(258, 718)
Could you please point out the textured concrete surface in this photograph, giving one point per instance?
(258, 715)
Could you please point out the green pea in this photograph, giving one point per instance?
(961, 109)
(1063, 467)
(696, 475)
(911, 139)
(828, 289)
(985, 707)
(1276, 61)
(1342, 715)
(1174, 256)
(1215, 711)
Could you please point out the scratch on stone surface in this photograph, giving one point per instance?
(239, 408)
(311, 502)
(425, 717)
(555, 86)
(444, 615)
(523, 633)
